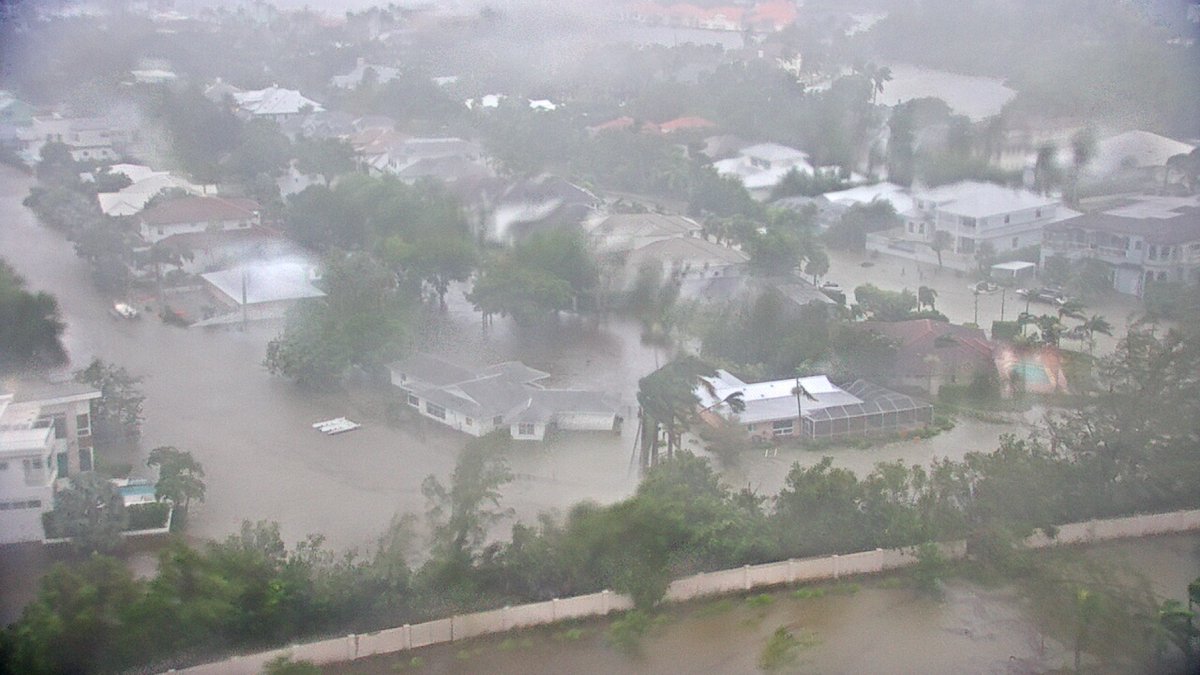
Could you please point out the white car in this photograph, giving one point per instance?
(123, 310)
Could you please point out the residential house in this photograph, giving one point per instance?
(931, 353)
(202, 252)
(683, 124)
(685, 258)
(146, 185)
(45, 433)
(259, 291)
(89, 139)
(974, 216)
(274, 103)
(537, 204)
(198, 214)
(794, 294)
(624, 232)
(1134, 153)
(502, 396)
(812, 407)
(355, 78)
(762, 166)
(1140, 240)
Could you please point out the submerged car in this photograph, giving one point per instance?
(1053, 296)
(123, 310)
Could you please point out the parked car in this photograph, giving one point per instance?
(1053, 296)
(123, 310)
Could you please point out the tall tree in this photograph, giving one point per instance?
(180, 476)
(118, 412)
(31, 326)
(91, 512)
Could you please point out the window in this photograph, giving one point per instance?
(782, 427)
(85, 459)
(3, 466)
(498, 421)
(470, 422)
(435, 410)
(1152, 252)
(83, 425)
(525, 429)
(59, 422)
(1015, 242)
(1037, 213)
(414, 401)
(1006, 219)
(967, 222)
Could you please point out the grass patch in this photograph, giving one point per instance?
(714, 608)
(571, 634)
(759, 601)
(626, 633)
(844, 588)
(783, 647)
(411, 664)
(808, 593)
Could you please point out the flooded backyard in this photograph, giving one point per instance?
(874, 625)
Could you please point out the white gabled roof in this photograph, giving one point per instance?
(274, 101)
(774, 400)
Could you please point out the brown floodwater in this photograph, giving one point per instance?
(880, 628)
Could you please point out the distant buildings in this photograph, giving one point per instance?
(1139, 240)
(45, 434)
(762, 166)
(355, 78)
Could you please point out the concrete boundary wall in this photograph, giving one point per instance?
(723, 582)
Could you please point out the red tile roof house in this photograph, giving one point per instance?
(198, 214)
(931, 353)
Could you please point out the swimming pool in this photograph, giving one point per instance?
(1032, 373)
(136, 493)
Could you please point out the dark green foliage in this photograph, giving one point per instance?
(90, 512)
(179, 476)
(31, 326)
(851, 230)
(884, 305)
(547, 273)
(118, 412)
(147, 516)
(362, 321)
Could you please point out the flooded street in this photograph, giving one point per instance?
(209, 393)
(881, 628)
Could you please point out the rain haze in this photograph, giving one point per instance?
(633, 336)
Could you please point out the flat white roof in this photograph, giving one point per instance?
(976, 199)
(264, 283)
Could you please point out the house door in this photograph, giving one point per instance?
(63, 466)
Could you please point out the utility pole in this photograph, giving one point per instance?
(976, 294)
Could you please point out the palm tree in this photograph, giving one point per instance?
(877, 76)
(1049, 327)
(1071, 309)
(942, 240)
(799, 391)
(926, 297)
(1096, 324)
(1083, 148)
(1046, 174)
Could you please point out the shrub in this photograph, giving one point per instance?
(147, 516)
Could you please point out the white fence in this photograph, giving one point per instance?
(464, 626)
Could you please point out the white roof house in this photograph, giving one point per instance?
(263, 283)
(824, 410)
(275, 103)
(898, 196)
(628, 231)
(973, 214)
(1134, 149)
(760, 167)
(355, 77)
(132, 198)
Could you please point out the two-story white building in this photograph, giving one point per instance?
(975, 213)
(1141, 240)
(45, 433)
